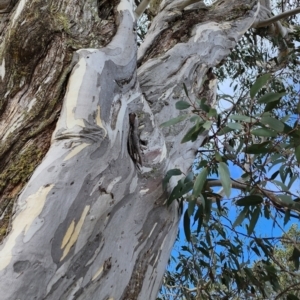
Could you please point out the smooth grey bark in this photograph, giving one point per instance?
(89, 224)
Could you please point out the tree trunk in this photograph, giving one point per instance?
(91, 222)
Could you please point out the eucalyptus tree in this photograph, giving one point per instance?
(82, 152)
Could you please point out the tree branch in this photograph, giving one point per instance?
(278, 17)
(242, 186)
(287, 289)
(235, 184)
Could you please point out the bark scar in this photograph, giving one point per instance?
(134, 147)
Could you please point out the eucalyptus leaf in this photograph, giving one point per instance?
(200, 214)
(193, 133)
(186, 226)
(224, 131)
(283, 174)
(191, 206)
(255, 249)
(218, 156)
(207, 125)
(241, 217)
(185, 89)
(203, 105)
(179, 190)
(200, 182)
(257, 149)
(241, 118)
(292, 180)
(241, 144)
(170, 173)
(236, 126)
(249, 200)
(218, 201)
(271, 105)
(274, 175)
(259, 83)
(286, 217)
(180, 105)
(212, 113)
(189, 177)
(264, 132)
(282, 185)
(270, 97)
(225, 178)
(286, 199)
(263, 247)
(195, 118)
(273, 123)
(267, 212)
(204, 251)
(208, 205)
(254, 218)
(174, 121)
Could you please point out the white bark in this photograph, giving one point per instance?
(89, 224)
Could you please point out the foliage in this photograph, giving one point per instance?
(255, 140)
(264, 145)
(218, 265)
(259, 137)
(286, 255)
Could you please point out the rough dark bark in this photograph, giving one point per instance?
(89, 224)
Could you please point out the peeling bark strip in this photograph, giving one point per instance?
(88, 225)
(134, 140)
